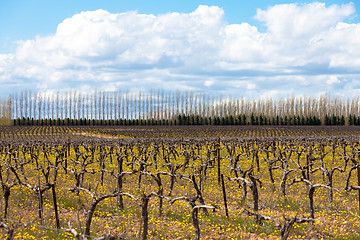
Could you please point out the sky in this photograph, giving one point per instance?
(253, 49)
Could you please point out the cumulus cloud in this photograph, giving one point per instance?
(293, 21)
(304, 47)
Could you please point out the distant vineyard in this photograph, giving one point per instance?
(171, 132)
(172, 108)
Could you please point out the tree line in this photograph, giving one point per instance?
(162, 107)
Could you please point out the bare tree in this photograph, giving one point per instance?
(80, 106)
(58, 104)
(285, 227)
(103, 105)
(127, 104)
(194, 212)
(65, 102)
(311, 192)
(95, 200)
(26, 103)
(94, 101)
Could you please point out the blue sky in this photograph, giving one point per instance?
(239, 48)
(25, 19)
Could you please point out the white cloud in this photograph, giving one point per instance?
(244, 84)
(291, 29)
(209, 83)
(243, 43)
(302, 21)
(305, 47)
(332, 80)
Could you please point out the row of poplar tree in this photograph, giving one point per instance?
(161, 107)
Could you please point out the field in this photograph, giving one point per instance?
(180, 182)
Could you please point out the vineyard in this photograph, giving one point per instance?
(180, 182)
